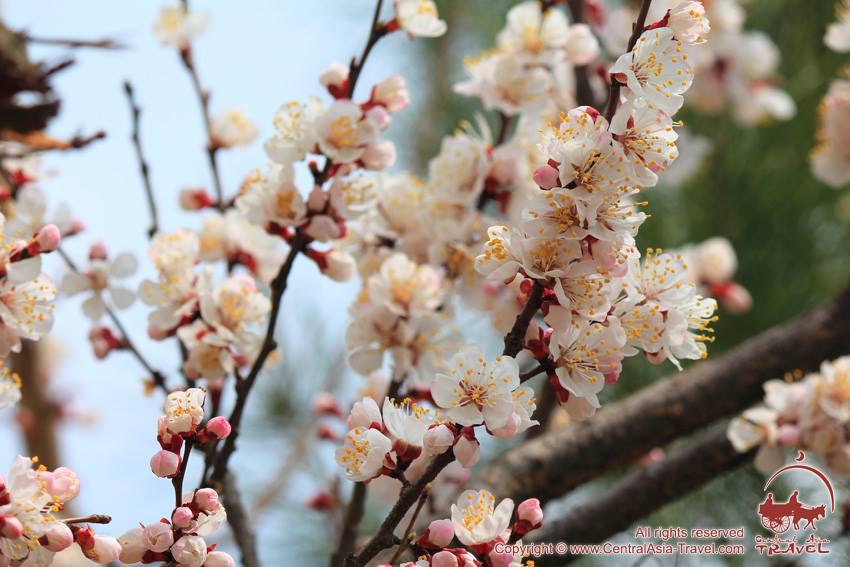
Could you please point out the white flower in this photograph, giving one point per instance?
(532, 33)
(392, 93)
(343, 132)
(834, 389)
(477, 520)
(419, 18)
(25, 311)
(831, 158)
(363, 453)
(233, 238)
(407, 421)
(10, 388)
(585, 355)
(272, 197)
(232, 128)
(657, 69)
(406, 288)
(365, 414)
(98, 279)
(176, 26)
(506, 83)
(500, 258)
(837, 36)
(648, 139)
(184, 410)
(716, 260)
(688, 22)
(295, 136)
(475, 391)
(582, 45)
(457, 174)
(174, 256)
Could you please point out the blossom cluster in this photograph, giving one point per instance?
(810, 414)
(179, 539)
(30, 533)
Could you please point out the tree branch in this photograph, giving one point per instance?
(136, 113)
(240, 523)
(642, 492)
(353, 516)
(560, 460)
(515, 339)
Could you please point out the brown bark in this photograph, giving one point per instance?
(37, 411)
(642, 492)
(560, 460)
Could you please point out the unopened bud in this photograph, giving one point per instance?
(182, 517)
(440, 533)
(165, 464)
(48, 238)
(206, 499)
(546, 177)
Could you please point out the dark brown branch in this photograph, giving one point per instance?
(158, 377)
(637, 30)
(244, 386)
(353, 516)
(409, 496)
(642, 492)
(515, 339)
(560, 460)
(136, 113)
(240, 523)
(376, 32)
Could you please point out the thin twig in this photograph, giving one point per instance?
(353, 516)
(376, 32)
(637, 30)
(515, 339)
(240, 523)
(405, 540)
(136, 113)
(204, 101)
(90, 519)
(158, 377)
(243, 387)
(105, 43)
(177, 481)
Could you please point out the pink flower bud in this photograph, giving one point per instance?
(656, 357)
(158, 537)
(444, 559)
(132, 544)
(165, 464)
(338, 266)
(392, 93)
(195, 199)
(218, 427)
(501, 558)
(190, 550)
(105, 550)
(467, 451)
(335, 77)
(48, 238)
(57, 538)
(322, 502)
(438, 439)
(324, 403)
(11, 527)
(547, 177)
(736, 298)
(98, 251)
(206, 499)
(219, 559)
(182, 517)
(789, 435)
(379, 155)
(508, 430)
(531, 512)
(77, 226)
(440, 533)
(379, 117)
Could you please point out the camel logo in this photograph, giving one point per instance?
(780, 517)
